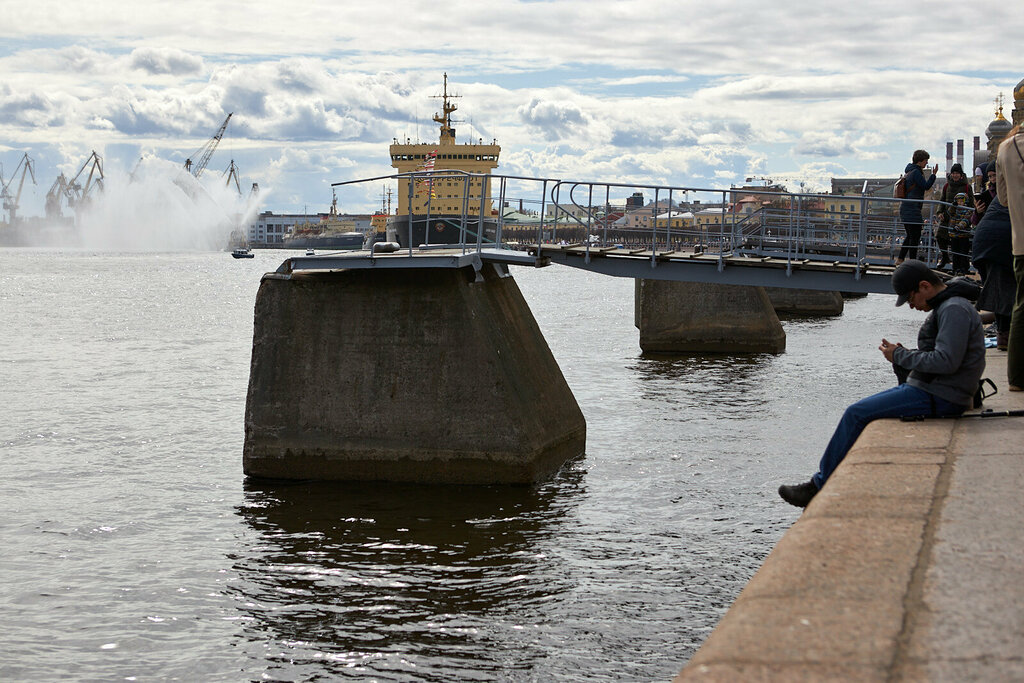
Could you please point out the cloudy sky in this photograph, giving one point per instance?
(680, 93)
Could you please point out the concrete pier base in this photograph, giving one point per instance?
(423, 375)
(808, 302)
(691, 317)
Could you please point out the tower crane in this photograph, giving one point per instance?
(26, 166)
(204, 153)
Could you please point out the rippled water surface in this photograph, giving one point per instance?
(132, 546)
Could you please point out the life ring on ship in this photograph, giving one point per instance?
(439, 226)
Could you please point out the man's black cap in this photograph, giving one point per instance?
(907, 277)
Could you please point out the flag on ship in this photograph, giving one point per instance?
(428, 182)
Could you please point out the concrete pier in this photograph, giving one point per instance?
(805, 302)
(691, 317)
(422, 374)
(907, 566)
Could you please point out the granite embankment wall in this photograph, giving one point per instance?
(908, 565)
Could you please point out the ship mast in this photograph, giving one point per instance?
(445, 119)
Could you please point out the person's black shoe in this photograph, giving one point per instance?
(799, 494)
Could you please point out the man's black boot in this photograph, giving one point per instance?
(800, 494)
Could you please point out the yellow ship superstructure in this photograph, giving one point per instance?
(444, 195)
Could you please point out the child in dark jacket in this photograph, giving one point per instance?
(956, 183)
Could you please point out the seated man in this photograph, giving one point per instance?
(944, 370)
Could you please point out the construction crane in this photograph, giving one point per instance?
(25, 166)
(79, 194)
(204, 153)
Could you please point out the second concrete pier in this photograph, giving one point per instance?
(696, 317)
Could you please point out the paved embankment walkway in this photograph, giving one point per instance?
(907, 566)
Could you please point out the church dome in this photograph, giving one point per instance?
(1018, 92)
(999, 126)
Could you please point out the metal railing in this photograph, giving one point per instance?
(526, 213)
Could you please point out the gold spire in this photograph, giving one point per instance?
(999, 107)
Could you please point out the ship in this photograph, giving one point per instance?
(443, 205)
(332, 232)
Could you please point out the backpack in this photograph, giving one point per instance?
(899, 190)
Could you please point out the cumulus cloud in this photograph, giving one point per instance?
(30, 109)
(551, 119)
(165, 60)
(685, 104)
(822, 145)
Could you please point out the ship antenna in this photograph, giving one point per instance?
(447, 107)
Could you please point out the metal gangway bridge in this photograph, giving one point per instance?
(727, 236)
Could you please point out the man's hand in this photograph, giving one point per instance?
(887, 348)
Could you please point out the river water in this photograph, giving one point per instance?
(132, 548)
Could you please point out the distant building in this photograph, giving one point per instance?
(553, 210)
(640, 217)
(749, 204)
(844, 204)
(707, 218)
(867, 187)
(675, 219)
(270, 229)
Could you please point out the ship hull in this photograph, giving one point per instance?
(345, 240)
(439, 230)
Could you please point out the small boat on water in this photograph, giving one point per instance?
(242, 253)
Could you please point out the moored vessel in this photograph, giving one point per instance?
(331, 232)
(450, 203)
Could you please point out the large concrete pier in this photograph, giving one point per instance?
(418, 374)
(907, 566)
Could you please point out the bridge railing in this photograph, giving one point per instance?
(517, 212)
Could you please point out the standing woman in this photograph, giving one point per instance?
(910, 211)
(1010, 184)
(993, 258)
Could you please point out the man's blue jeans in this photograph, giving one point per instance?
(901, 401)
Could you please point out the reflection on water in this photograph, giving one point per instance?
(730, 386)
(131, 548)
(399, 579)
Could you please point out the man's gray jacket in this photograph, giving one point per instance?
(950, 354)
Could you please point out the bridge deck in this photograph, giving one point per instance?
(681, 266)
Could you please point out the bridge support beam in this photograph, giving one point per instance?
(423, 375)
(692, 317)
(801, 302)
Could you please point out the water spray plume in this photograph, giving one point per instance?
(160, 207)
